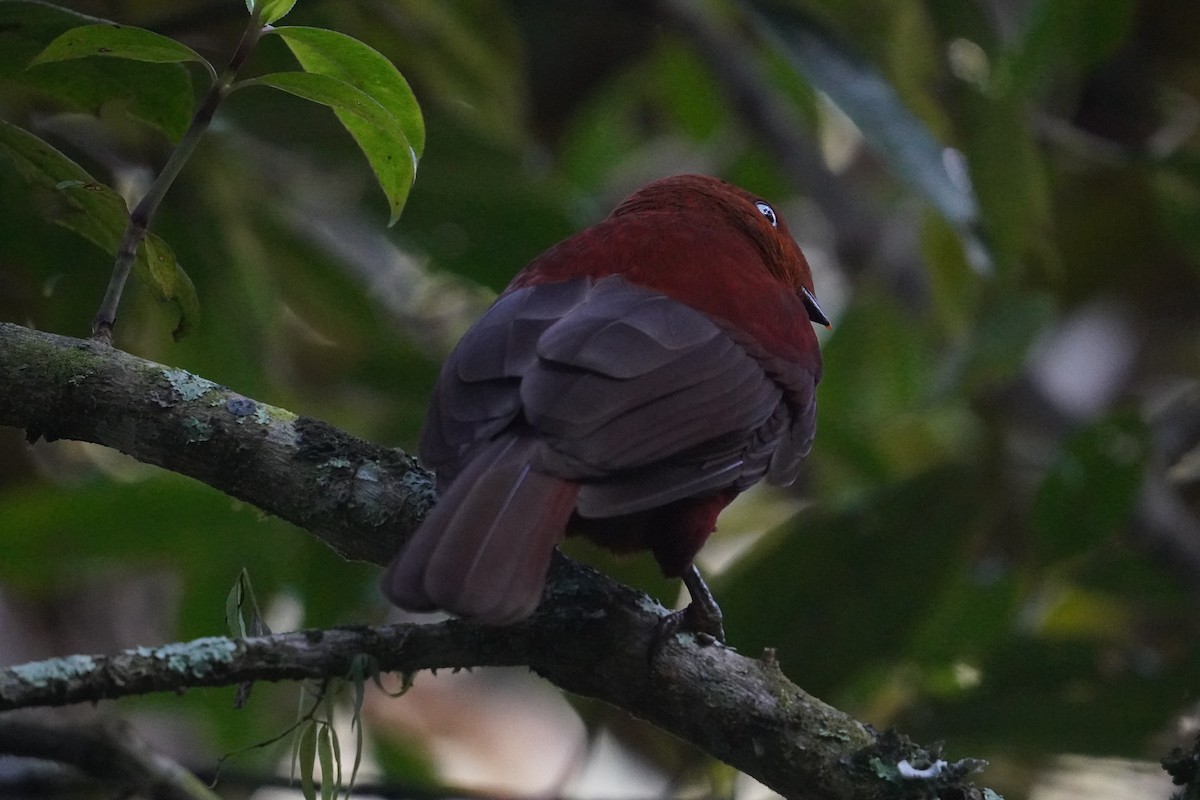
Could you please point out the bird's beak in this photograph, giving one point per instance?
(813, 307)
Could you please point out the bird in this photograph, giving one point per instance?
(626, 386)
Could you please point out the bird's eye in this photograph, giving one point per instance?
(768, 212)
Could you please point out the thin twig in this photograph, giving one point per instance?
(143, 213)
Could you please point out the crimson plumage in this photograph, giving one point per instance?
(627, 385)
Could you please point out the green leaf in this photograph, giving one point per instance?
(1091, 489)
(235, 623)
(382, 137)
(306, 755)
(357, 727)
(270, 11)
(157, 94)
(336, 55)
(118, 41)
(158, 268)
(861, 91)
(326, 745)
(242, 615)
(98, 214)
(343, 57)
(337, 759)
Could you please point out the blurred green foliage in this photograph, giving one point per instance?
(979, 558)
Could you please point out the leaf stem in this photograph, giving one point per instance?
(143, 212)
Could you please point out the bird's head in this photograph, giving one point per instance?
(718, 203)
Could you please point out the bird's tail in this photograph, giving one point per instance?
(484, 549)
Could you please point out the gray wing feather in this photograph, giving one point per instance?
(624, 332)
(642, 397)
(477, 394)
(502, 344)
(796, 441)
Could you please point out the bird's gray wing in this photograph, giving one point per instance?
(641, 397)
(477, 394)
(650, 401)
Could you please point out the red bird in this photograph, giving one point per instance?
(627, 385)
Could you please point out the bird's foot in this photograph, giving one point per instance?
(702, 617)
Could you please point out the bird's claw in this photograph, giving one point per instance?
(702, 617)
(696, 619)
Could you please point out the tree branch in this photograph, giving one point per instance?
(108, 750)
(591, 635)
(358, 498)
